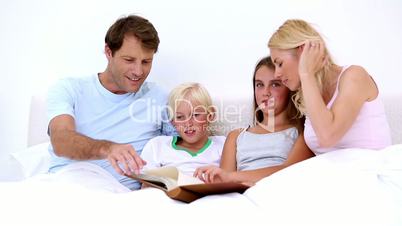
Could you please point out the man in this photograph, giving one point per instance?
(107, 118)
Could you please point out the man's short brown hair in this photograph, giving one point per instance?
(134, 25)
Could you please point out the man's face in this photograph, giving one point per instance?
(129, 67)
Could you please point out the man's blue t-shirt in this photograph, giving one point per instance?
(131, 118)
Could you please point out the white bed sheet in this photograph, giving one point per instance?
(348, 187)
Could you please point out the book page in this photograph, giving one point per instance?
(168, 171)
(184, 179)
(173, 173)
(164, 183)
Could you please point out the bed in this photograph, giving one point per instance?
(345, 187)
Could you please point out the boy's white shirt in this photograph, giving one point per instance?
(159, 152)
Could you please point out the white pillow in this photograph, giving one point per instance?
(33, 160)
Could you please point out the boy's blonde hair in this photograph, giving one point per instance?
(292, 34)
(193, 92)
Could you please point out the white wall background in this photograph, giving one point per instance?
(213, 42)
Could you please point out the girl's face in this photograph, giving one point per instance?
(191, 121)
(286, 67)
(270, 93)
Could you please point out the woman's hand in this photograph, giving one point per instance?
(212, 174)
(312, 58)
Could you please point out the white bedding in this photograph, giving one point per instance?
(348, 187)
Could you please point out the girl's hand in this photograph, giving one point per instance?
(212, 174)
(312, 58)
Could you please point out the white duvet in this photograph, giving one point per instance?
(346, 187)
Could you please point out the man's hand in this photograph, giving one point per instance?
(124, 159)
(70, 144)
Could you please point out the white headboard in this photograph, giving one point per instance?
(37, 128)
(393, 109)
(240, 116)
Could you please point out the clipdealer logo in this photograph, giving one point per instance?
(150, 110)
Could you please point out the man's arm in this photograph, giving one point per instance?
(68, 143)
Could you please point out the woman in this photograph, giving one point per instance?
(341, 104)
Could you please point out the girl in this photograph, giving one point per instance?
(341, 104)
(273, 143)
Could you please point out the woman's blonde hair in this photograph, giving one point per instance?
(193, 92)
(292, 34)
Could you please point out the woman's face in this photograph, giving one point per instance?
(286, 67)
(270, 93)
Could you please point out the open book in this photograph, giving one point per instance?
(180, 186)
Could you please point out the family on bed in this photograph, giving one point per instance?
(304, 105)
